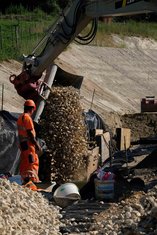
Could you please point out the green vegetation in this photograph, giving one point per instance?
(130, 28)
(16, 9)
(19, 34)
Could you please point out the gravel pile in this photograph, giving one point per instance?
(25, 212)
(63, 129)
(136, 215)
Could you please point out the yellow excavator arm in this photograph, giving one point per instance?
(120, 7)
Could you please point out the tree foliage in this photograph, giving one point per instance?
(48, 6)
(54, 6)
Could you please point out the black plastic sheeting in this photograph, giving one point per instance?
(9, 154)
(64, 78)
(93, 122)
(9, 151)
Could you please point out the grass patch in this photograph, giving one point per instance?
(21, 33)
(131, 28)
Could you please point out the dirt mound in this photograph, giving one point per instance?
(142, 125)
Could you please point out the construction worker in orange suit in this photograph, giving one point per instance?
(29, 162)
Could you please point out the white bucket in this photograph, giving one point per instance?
(66, 194)
(69, 190)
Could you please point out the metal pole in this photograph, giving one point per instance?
(41, 103)
(2, 96)
(110, 153)
(126, 157)
(92, 99)
(1, 41)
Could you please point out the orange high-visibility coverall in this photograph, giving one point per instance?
(29, 162)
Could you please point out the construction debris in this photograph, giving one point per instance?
(134, 215)
(63, 129)
(24, 211)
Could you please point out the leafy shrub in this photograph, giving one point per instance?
(16, 9)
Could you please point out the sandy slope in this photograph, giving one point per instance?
(12, 101)
(120, 76)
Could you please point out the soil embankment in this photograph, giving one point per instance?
(119, 78)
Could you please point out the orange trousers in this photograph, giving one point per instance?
(29, 164)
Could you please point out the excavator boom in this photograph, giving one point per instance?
(120, 7)
(75, 18)
(68, 28)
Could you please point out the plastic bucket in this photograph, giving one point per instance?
(66, 194)
(104, 189)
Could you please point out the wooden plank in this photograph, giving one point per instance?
(98, 132)
(105, 139)
(123, 138)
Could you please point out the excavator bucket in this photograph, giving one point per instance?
(30, 87)
(55, 76)
(64, 78)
